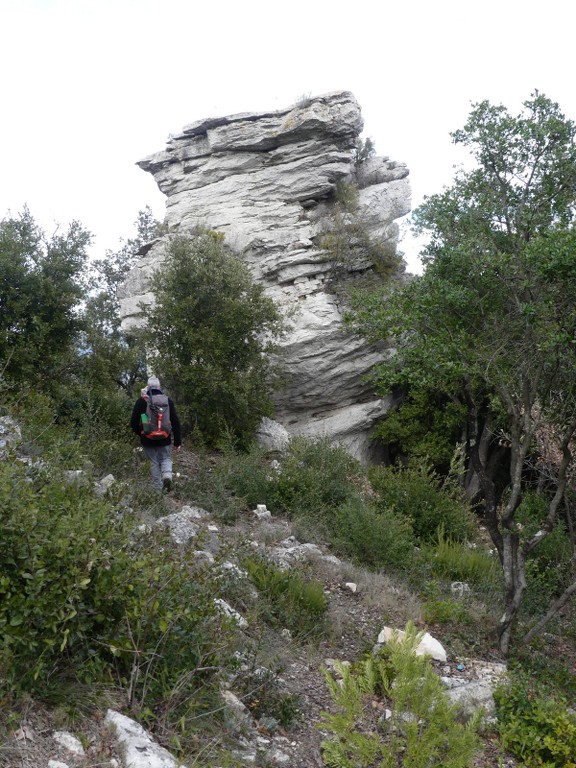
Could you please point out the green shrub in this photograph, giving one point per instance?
(100, 423)
(76, 428)
(246, 476)
(293, 602)
(214, 330)
(81, 598)
(315, 478)
(446, 612)
(455, 561)
(549, 565)
(207, 484)
(262, 692)
(425, 427)
(535, 727)
(377, 538)
(172, 641)
(55, 545)
(416, 494)
(351, 239)
(422, 730)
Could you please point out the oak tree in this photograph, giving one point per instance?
(491, 324)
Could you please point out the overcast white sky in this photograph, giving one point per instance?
(88, 87)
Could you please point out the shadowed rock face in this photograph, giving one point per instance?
(267, 182)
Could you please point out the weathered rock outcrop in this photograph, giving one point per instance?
(267, 181)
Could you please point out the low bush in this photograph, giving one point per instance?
(75, 428)
(421, 730)
(377, 538)
(455, 561)
(207, 484)
(293, 602)
(55, 547)
(81, 598)
(415, 493)
(262, 691)
(537, 728)
(246, 476)
(315, 478)
(447, 612)
(549, 565)
(172, 642)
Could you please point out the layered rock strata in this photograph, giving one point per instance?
(268, 182)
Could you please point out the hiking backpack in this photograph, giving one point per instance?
(156, 424)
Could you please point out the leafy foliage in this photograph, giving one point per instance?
(365, 149)
(549, 567)
(425, 427)
(315, 478)
(294, 602)
(457, 561)
(77, 595)
(374, 536)
(415, 494)
(489, 326)
(40, 288)
(213, 330)
(539, 729)
(114, 358)
(421, 731)
(354, 241)
(56, 552)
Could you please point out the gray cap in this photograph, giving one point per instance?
(154, 382)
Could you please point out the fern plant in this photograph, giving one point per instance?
(392, 710)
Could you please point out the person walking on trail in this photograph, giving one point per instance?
(155, 421)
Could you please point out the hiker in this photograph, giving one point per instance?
(155, 420)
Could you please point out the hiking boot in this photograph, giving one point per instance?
(167, 484)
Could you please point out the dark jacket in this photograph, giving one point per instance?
(140, 408)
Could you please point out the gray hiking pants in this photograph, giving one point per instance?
(160, 464)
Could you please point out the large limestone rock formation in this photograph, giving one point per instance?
(267, 181)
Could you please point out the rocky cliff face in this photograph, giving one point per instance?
(268, 181)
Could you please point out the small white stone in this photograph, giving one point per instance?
(332, 559)
(140, 751)
(194, 513)
(231, 613)
(460, 588)
(234, 569)
(428, 646)
(103, 486)
(261, 512)
(69, 742)
(277, 757)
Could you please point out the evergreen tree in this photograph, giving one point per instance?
(213, 331)
(491, 325)
(41, 287)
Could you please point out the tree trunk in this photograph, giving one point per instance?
(514, 573)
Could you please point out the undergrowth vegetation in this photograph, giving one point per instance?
(289, 599)
(90, 598)
(536, 724)
(419, 726)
